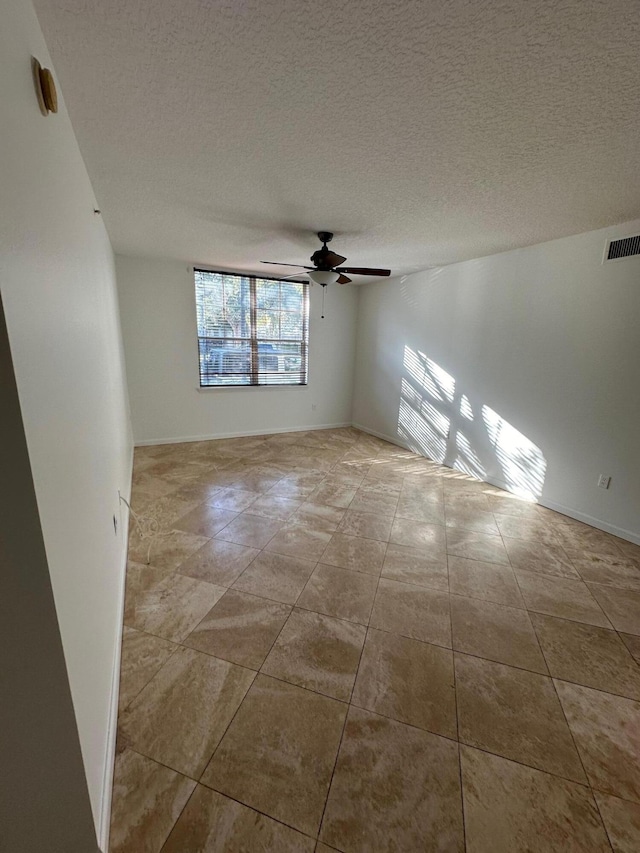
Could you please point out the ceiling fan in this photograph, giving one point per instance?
(327, 269)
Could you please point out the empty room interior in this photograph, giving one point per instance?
(320, 356)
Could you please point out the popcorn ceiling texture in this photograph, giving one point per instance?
(422, 133)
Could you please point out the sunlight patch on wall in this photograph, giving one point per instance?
(523, 464)
(429, 375)
(465, 408)
(436, 419)
(467, 460)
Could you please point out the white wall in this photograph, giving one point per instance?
(60, 299)
(157, 299)
(548, 339)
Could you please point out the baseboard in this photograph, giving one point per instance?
(620, 532)
(391, 439)
(112, 726)
(241, 434)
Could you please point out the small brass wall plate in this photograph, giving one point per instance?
(45, 88)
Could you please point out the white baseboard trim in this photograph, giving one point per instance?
(104, 820)
(620, 532)
(240, 434)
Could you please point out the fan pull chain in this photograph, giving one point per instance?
(324, 287)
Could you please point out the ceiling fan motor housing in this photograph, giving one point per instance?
(319, 258)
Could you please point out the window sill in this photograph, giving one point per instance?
(206, 388)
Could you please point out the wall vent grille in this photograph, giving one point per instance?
(624, 248)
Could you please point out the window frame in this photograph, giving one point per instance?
(254, 373)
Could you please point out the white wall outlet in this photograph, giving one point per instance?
(604, 481)
(313, 407)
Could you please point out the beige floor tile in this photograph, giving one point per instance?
(252, 530)
(165, 511)
(516, 714)
(240, 628)
(235, 500)
(318, 652)
(408, 681)
(540, 558)
(147, 801)
(513, 506)
(429, 538)
(528, 529)
(476, 546)
(561, 597)
(486, 581)
(142, 656)
(412, 611)
(366, 525)
(278, 754)
(585, 538)
(205, 520)
(259, 482)
(274, 506)
(622, 821)
(295, 541)
(212, 823)
(628, 549)
(292, 489)
(333, 493)
(395, 788)
(352, 552)
(378, 503)
(315, 516)
(607, 569)
(509, 808)
(218, 562)
(588, 655)
(340, 593)
(385, 487)
(410, 565)
(468, 503)
(276, 576)
(472, 519)
(167, 550)
(632, 642)
(424, 510)
(180, 716)
(172, 607)
(495, 632)
(139, 580)
(622, 606)
(606, 729)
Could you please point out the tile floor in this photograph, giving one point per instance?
(332, 644)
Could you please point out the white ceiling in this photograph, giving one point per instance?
(225, 132)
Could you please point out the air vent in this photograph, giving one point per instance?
(624, 248)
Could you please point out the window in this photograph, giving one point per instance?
(251, 331)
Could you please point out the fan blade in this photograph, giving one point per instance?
(363, 271)
(331, 259)
(278, 264)
(344, 279)
(294, 277)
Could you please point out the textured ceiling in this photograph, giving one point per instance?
(421, 132)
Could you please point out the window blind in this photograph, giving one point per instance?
(251, 331)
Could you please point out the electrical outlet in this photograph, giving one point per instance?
(604, 481)
(313, 407)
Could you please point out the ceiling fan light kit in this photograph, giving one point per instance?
(324, 277)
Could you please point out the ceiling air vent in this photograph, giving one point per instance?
(624, 248)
